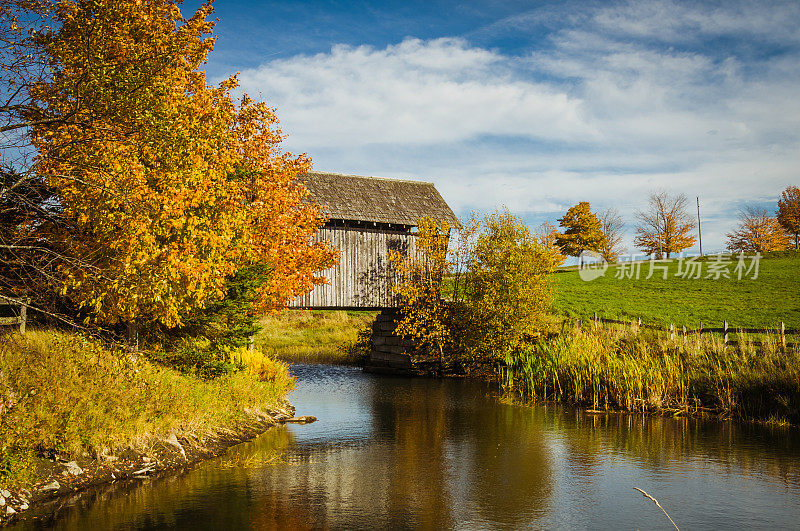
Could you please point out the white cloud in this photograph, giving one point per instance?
(415, 92)
(605, 112)
(674, 21)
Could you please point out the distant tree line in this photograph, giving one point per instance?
(666, 226)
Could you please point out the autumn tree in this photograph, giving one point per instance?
(582, 230)
(509, 289)
(548, 234)
(757, 232)
(170, 185)
(422, 271)
(612, 229)
(501, 286)
(665, 226)
(789, 212)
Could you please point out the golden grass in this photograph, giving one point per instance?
(69, 394)
(313, 336)
(618, 369)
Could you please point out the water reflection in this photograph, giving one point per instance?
(452, 456)
(410, 453)
(676, 446)
(425, 463)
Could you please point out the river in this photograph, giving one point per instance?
(411, 453)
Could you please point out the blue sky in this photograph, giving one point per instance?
(534, 105)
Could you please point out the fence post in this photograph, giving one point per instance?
(23, 315)
(639, 325)
(684, 333)
(250, 342)
(671, 331)
(783, 334)
(133, 336)
(725, 341)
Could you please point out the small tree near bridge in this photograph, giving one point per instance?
(499, 298)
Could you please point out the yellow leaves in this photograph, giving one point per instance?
(500, 285)
(583, 230)
(420, 273)
(757, 232)
(665, 226)
(150, 164)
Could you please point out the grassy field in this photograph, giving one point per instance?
(323, 336)
(313, 336)
(773, 297)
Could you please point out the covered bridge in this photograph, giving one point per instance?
(368, 216)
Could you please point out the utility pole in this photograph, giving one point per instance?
(699, 232)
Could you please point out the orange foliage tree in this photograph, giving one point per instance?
(582, 230)
(789, 212)
(757, 232)
(665, 226)
(170, 185)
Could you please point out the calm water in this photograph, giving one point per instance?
(409, 453)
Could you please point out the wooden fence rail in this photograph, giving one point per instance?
(22, 317)
(725, 329)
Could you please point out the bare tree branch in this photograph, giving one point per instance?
(613, 227)
(665, 226)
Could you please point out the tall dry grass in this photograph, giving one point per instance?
(623, 369)
(65, 393)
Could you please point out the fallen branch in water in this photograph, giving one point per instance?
(658, 504)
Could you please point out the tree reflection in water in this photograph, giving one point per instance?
(398, 452)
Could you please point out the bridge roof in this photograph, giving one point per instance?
(375, 199)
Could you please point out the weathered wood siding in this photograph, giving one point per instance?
(364, 276)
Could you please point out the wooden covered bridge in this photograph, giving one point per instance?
(368, 216)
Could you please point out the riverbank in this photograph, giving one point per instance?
(59, 481)
(75, 414)
(633, 371)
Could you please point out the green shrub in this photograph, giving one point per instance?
(499, 276)
(198, 347)
(194, 355)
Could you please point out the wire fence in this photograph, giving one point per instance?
(726, 330)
